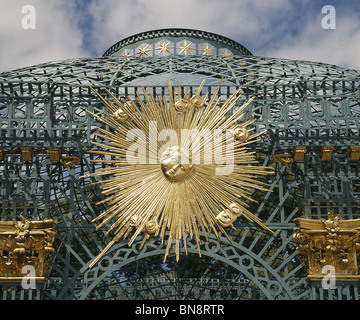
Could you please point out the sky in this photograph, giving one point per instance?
(292, 29)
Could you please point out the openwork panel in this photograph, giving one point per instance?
(301, 103)
(329, 184)
(175, 41)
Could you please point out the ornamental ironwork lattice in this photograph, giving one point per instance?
(312, 116)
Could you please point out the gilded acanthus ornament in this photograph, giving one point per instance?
(25, 243)
(329, 242)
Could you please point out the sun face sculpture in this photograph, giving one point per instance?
(177, 164)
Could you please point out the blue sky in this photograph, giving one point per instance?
(86, 28)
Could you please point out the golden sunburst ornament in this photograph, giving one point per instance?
(178, 165)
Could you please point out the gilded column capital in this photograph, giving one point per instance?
(329, 242)
(25, 243)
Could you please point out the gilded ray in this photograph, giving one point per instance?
(198, 179)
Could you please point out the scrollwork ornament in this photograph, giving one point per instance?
(240, 133)
(236, 209)
(151, 227)
(134, 221)
(226, 218)
(120, 116)
(198, 101)
(181, 106)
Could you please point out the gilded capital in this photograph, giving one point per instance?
(25, 243)
(327, 242)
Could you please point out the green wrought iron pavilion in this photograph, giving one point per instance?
(312, 115)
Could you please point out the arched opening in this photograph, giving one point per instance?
(127, 273)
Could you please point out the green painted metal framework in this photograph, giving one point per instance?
(301, 103)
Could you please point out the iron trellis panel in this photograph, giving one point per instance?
(300, 103)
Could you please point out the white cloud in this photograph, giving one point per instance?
(115, 20)
(340, 46)
(276, 28)
(56, 36)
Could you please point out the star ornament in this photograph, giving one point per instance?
(207, 51)
(225, 53)
(126, 54)
(164, 47)
(143, 50)
(185, 47)
(174, 166)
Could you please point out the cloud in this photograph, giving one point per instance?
(277, 28)
(56, 36)
(81, 28)
(340, 46)
(115, 20)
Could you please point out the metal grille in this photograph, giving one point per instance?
(300, 103)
